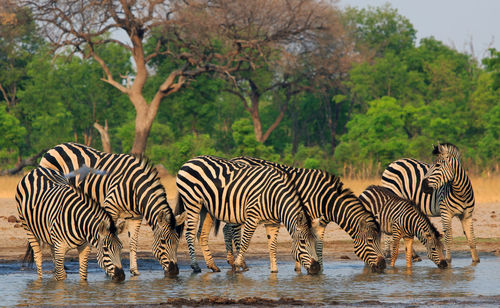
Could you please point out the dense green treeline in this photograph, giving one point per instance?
(396, 99)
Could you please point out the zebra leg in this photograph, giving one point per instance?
(83, 259)
(37, 252)
(469, 234)
(396, 238)
(133, 226)
(448, 235)
(248, 230)
(228, 241)
(191, 226)
(205, 230)
(272, 241)
(319, 233)
(60, 250)
(408, 251)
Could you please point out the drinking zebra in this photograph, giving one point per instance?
(61, 216)
(243, 194)
(131, 190)
(441, 189)
(326, 200)
(400, 218)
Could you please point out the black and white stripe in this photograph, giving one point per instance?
(402, 219)
(441, 189)
(242, 194)
(131, 190)
(54, 213)
(326, 200)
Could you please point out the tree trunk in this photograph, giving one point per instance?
(103, 131)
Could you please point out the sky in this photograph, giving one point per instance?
(456, 23)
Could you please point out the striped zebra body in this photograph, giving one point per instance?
(402, 219)
(242, 194)
(326, 200)
(59, 215)
(442, 189)
(131, 190)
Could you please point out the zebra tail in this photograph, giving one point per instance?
(29, 256)
(178, 210)
(216, 227)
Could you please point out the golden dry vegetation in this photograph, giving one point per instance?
(486, 188)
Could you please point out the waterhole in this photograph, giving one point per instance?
(342, 282)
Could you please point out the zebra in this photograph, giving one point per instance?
(53, 212)
(441, 189)
(326, 200)
(242, 194)
(402, 219)
(131, 190)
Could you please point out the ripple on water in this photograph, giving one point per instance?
(342, 281)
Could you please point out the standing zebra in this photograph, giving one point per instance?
(131, 190)
(326, 200)
(240, 193)
(55, 213)
(441, 189)
(401, 218)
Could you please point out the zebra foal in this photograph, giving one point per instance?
(441, 189)
(242, 194)
(131, 191)
(59, 215)
(401, 219)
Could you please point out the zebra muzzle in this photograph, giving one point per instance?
(379, 266)
(314, 268)
(426, 188)
(118, 274)
(443, 264)
(172, 269)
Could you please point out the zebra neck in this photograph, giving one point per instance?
(461, 186)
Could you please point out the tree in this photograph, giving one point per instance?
(18, 43)
(220, 40)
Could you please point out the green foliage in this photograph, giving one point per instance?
(247, 144)
(174, 155)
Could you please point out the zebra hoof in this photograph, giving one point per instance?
(196, 268)
(134, 272)
(416, 259)
(214, 268)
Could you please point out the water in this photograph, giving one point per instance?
(344, 282)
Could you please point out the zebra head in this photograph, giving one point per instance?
(367, 244)
(304, 244)
(166, 236)
(432, 241)
(109, 248)
(443, 169)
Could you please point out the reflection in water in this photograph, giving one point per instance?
(341, 281)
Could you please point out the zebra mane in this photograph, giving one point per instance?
(448, 148)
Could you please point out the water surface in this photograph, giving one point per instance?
(344, 282)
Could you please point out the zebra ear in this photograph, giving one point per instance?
(301, 219)
(362, 225)
(179, 219)
(120, 227)
(103, 227)
(163, 218)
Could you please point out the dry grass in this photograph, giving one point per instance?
(8, 186)
(486, 189)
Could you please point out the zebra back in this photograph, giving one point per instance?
(131, 188)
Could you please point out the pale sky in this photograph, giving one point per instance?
(456, 23)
